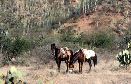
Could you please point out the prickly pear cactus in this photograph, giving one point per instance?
(1, 81)
(13, 76)
(124, 58)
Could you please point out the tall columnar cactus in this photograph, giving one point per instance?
(124, 58)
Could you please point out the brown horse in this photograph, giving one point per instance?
(80, 56)
(61, 54)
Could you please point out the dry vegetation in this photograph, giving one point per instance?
(106, 72)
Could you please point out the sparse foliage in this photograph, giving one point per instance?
(68, 35)
(14, 47)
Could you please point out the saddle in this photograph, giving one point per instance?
(88, 53)
(64, 52)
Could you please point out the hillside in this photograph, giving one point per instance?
(105, 17)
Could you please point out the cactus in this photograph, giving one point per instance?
(13, 76)
(129, 44)
(124, 58)
(1, 81)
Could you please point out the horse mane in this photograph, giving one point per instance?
(75, 57)
(57, 50)
(80, 50)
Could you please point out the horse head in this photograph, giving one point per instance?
(71, 65)
(73, 60)
(75, 57)
(53, 46)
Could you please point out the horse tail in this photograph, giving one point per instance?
(95, 60)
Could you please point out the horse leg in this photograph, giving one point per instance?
(95, 60)
(81, 66)
(59, 63)
(67, 65)
(90, 65)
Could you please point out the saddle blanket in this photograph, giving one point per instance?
(88, 53)
(64, 52)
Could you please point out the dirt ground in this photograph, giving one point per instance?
(106, 72)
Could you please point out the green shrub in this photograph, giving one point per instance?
(14, 47)
(68, 35)
(124, 58)
(85, 39)
(20, 45)
(99, 39)
(102, 39)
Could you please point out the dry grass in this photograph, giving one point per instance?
(106, 72)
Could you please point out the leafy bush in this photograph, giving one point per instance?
(99, 39)
(20, 45)
(14, 47)
(102, 39)
(124, 58)
(68, 35)
(85, 39)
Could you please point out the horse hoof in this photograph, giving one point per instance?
(66, 71)
(70, 71)
(80, 72)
